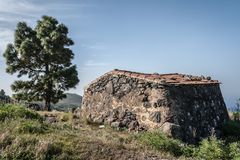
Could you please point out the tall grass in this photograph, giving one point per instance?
(25, 135)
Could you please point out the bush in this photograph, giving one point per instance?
(14, 112)
(234, 150)
(159, 141)
(4, 115)
(189, 150)
(32, 127)
(236, 116)
(231, 128)
(211, 149)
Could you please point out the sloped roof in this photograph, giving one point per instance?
(172, 78)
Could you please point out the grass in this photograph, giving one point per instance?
(161, 142)
(25, 135)
(32, 127)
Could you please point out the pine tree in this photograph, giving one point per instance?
(43, 56)
(2, 93)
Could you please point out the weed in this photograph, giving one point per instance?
(33, 127)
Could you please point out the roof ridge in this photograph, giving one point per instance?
(171, 78)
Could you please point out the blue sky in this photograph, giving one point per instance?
(198, 37)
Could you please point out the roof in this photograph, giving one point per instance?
(172, 78)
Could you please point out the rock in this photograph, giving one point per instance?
(155, 117)
(123, 119)
(122, 115)
(125, 122)
(133, 125)
(172, 129)
(147, 104)
(115, 124)
(126, 88)
(101, 126)
(209, 78)
(98, 120)
(109, 88)
(51, 119)
(160, 103)
(122, 80)
(113, 116)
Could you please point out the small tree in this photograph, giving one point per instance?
(236, 114)
(2, 93)
(3, 97)
(43, 55)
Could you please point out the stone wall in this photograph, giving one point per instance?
(186, 111)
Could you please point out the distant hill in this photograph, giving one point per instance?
(72, 101)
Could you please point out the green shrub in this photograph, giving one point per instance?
(4, 115)
(14, 112)
(234, 150)
(159, 141)
(236, 116)
(32, 127)
(189, 150)
(211, 148)
(231, 128)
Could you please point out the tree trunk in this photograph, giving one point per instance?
(48, 96)
(48, 105)
(48, 91)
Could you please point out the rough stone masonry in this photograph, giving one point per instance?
(182, 106)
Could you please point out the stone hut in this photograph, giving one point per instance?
(182, 106)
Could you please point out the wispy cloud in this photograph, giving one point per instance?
(93, 63)
(94, 46)
(6, 37)
(13, 11)
(19, 7)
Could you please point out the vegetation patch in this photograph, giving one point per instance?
(234, 150)
(211, 149)
(161, 142)
(24, 135)
(14, 112)
(231, 129)
(33, 127)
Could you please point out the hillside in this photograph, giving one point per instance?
(72, 101)
(72, 98)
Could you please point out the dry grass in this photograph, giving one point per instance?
(32, 139)
(25, 135)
